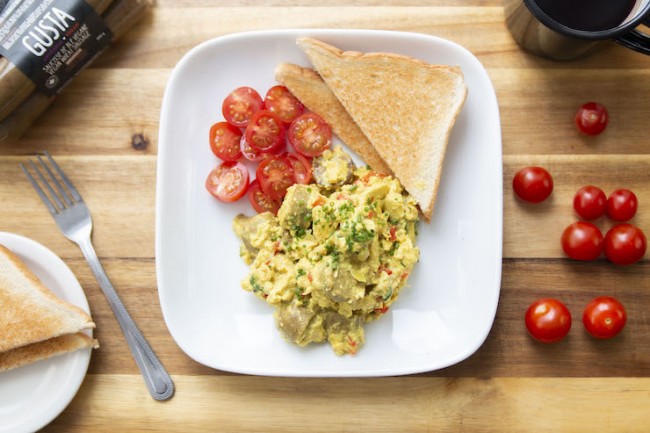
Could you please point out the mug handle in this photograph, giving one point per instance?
(636, 40)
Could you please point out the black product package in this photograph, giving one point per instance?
(51, 40)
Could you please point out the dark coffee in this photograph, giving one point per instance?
(589, 15)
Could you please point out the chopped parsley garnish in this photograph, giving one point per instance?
(256, 287)
(346, 209)
(393, 248)
(362, 236)
(335, 259)
(299, 231)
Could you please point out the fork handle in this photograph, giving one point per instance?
(158, 381)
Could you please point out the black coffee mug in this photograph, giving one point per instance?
(569, 29)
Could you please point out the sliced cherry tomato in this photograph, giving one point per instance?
(582, 240)
(260, 201)
(548, 320)
(625, 244)
(591, 118)
(225, 141)
(301, 167)
(240, 105)
(604, 317)
(265, 132)
(310, 135)
(533, 184)
(590, 202)
(622, 205)
(250, 153)
(275, 175)
(280, 100)
(228, 182)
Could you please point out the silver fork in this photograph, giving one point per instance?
(73, 218)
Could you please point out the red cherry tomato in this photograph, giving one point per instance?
(604, 317)
(225, 141)
(590, 202)
(240, 105)
(309, 135)
(582, 240)
(265, 132)
(280, 100)
(228, 182)
(625, 244)
(301, 167)
(622, 205)
(533, 184)
(591, 118)
(275, 175)
(548, 320)
(251, 154)
(260, 201)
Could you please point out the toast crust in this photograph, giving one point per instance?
(404, 106)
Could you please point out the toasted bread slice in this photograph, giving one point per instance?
(44, 350)
(306, 85)
(405, 107)
(30, 312)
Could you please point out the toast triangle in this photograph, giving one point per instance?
(405, 107)
(31, 313)
(46, 349)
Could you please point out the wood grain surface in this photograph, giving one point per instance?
(104, 129)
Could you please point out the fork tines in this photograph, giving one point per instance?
(55, 200)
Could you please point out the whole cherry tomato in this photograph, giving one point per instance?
(590, 202)
(625, 244)
(548, 320)
(582, 240)
(592, 118)
(622, 205)
(533, 184)
(604, 317)
(240, 105)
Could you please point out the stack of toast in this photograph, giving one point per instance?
(34, 323)
(394, 111)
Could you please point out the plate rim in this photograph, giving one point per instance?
(31, 250)
(317, 32)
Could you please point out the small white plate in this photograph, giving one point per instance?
(440, 320)
(33, 395)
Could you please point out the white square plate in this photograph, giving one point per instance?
(441, 319)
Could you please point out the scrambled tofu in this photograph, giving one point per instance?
(336, 256)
